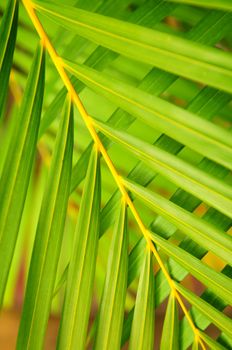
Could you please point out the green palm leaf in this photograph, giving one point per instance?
(8, 32)
(181, 173)
(114, 293)
(162, 50)
(222, 4)
(218, 318)
(170, 326)
(185, 127)
(211, 343)
(48, 239)
(118, 199)
(18, 166)
(217, 282)
(203, 233)
(80, 279)
(142, 332)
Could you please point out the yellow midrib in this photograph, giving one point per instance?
(76, 100)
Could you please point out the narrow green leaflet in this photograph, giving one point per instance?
(79, 285)
(148, 14)
(6, 27)
(170, 333)
(166, 51)
(217, 282)
(218, 318)
(61, 281)
(18, 166)
(143, 175)
(225, 341)
(184, 126)
(127, 327)
(135, 262)
(193, 180)
(142, 332)
(217, 4)
(8, 33)
(197, 229)
(195, 345)
(49, 234)
(111, 312)
(211, 342)
(207, 103)
(179, 274)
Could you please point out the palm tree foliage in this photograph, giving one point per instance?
(115, 165)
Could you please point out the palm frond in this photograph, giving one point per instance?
(118, 164)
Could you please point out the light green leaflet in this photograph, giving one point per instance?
(217, 4)
(148, 14)
(193, 180)
(79, 285)
(211, 343)
(225, 340)
(49, 234)
(205, 234)
(6, 27)
(135, 261)
(210, 30)
(166, 51)
(61, 281)
(170, 333)
(18, 166)
(218, 318)
(217, 282)
(184, 126)
(195, 345)
(111, 315)
(142, 332)
(8, 32)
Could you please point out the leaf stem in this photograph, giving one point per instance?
(29, 6)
